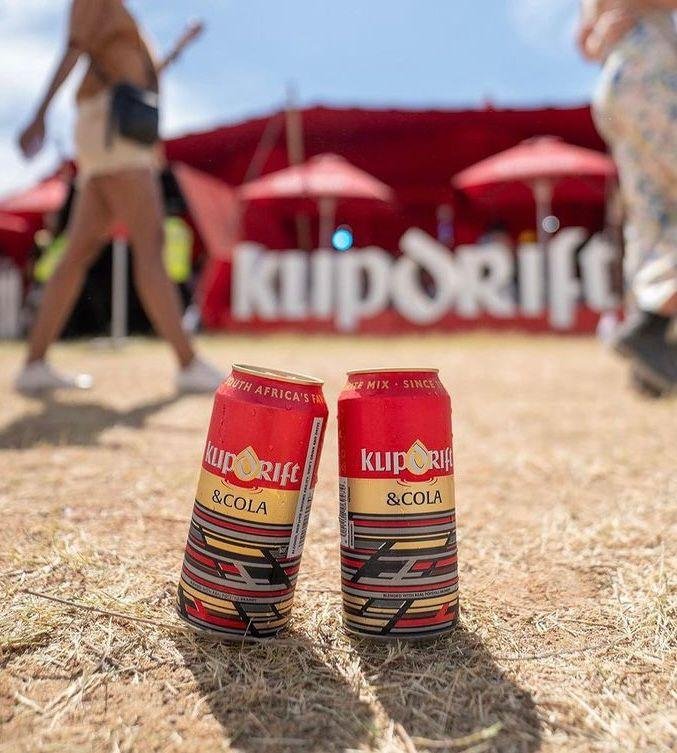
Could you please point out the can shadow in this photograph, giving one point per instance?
(449, 689)
(277, 696)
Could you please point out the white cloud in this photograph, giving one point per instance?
(31, 33)
(238, 94)
(546, 26)
(182, 109)
(18, 12)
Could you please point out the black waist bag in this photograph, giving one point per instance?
(134, 114)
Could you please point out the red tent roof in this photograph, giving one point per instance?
(416, 153)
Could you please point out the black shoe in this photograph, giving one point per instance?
(644, 388)
(644, 338)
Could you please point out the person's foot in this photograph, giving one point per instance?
(39, 376)
(644, 388)
(199, 376)
(644, 339)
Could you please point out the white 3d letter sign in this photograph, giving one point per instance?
(427, 282)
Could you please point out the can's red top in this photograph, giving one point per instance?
(393, 382)
(275, 375)
(277, 389)
(398, 370)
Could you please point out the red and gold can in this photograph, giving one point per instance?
(252, 504)
(399, 571)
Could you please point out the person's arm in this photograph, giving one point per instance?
(32, 137)
(83, 24)
(608, 31)
(192, 32)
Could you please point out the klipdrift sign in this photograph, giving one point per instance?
(426, 283)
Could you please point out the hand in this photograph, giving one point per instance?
(610, 29)
(32, 139)
(193, 31)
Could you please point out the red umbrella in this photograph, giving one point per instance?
(326, 179)
(11, 224)
(46, 197)
(541, 163)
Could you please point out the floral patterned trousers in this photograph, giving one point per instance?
(636, 110)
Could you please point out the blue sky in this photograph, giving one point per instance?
(388, 53)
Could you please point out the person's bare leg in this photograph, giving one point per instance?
(135, 200)
(86, 235)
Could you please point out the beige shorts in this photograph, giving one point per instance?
(94, 155)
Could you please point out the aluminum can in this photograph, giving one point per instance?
(399, 573)
(252, 505)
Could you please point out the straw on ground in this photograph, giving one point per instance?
(566, 488)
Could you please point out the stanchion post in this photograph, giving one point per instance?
(120, 265)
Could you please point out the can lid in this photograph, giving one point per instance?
(278, 376)
(394, 370)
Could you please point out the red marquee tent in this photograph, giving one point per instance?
(416, 153)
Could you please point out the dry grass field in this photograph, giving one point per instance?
(566, 494)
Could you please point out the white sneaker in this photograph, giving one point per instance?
(199, 376)
(39, 376)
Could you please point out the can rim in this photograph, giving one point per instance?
(277, 375)
(396, 369)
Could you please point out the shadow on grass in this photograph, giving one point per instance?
(78, 424)
(277, 697)
(449, 689)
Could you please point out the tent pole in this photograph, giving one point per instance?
(120, 265)
(296, 156)
(543, 191)
(264, 148)
(327, 221)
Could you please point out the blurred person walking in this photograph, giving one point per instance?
(635, 107)
(117, 147)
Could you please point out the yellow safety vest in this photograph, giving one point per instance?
(49, 258)
(177, 254)
(178, 251)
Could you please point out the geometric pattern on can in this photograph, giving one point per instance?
(229, 567)
(399, 571)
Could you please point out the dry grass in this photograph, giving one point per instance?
(566, 489)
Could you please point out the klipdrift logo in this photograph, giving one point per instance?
(418, 460)
(247, 466)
